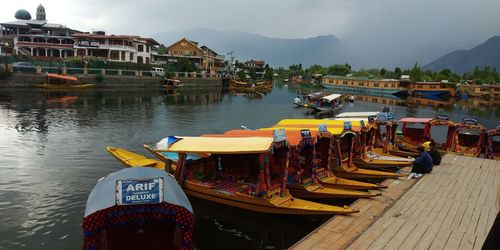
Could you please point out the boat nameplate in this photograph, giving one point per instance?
(139, 191)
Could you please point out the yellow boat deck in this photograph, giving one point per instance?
(453, 207)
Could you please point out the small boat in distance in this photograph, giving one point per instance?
(140, 208)
(55, 81)
(171, 83)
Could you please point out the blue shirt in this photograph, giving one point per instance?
(424, 160)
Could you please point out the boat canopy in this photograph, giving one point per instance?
(332, 97)
(103, 194)
(69, 78)
(293, 137)
(416, 120)
(335, 127)
(317, 94)
(356, 114)
(216, 145)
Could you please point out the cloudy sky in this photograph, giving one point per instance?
(382, 25)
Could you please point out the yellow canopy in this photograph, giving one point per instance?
(334, 131)
(335, 127)
(214, 145)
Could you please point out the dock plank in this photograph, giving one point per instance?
(453, 207)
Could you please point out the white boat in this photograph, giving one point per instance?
(139, 208)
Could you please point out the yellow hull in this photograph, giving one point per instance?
(380, 151)
(131, 159)
(337, 182)
(317, 192)
(64, 86)
(374, 163)
(275, 205)
(359, 173)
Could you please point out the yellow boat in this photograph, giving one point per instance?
(131, 159)
(323, 174)
(55, 81)
(237, 173)
(308, 185)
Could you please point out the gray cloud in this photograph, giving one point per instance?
(379, 32)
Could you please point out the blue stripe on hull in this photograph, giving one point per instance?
(431, 92)
(365, 90)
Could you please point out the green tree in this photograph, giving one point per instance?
(416, 73)
(382, 72)
(339, 69)
(184, 65)
(316, 69)
(268, 73)
(242, 75)
(252, 74)
(397, 73)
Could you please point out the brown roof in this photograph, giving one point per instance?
(260, 62)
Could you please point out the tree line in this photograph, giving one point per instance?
(486, 75)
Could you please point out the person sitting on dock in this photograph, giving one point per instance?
(434, 153)
(296, 100)
(427, 142)
(422, 164)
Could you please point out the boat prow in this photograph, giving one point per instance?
(360, 173)
(337, 182)
(131, 159)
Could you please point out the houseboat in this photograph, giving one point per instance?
(431, 89)
(320, 155)
(55, 81)
(484, 91)
(493, 145)
(138, 208)
(414, 131)
(236, 172)
(469, 138)
(365, 85)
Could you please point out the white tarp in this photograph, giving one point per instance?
(331, 97)
(356, 114)
(103, 195)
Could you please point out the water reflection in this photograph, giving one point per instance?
(53, 153)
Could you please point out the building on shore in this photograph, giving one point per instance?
(358, 84)
(115, 48)
(36, 38)
(204, 58)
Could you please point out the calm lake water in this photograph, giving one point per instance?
(52, 153)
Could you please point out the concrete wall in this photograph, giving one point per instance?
(27, 80)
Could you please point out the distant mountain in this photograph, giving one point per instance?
(485, 54)
(324, 50)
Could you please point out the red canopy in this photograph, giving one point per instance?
(416, 120)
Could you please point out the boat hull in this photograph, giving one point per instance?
(320, 192)
(277, 205)
(390, 91)
(379, 164)
(337, 182)
(61, 86)
(360, 173)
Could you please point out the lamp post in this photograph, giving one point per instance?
(5, 45)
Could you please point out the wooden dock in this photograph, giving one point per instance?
(454, 207)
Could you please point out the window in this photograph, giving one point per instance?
(131, 57)
(147, 60)
(114, 55)
(123, 56)
(386, 85)
(140, 48)
(345, 82)
(147, 49)
(375, 84)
